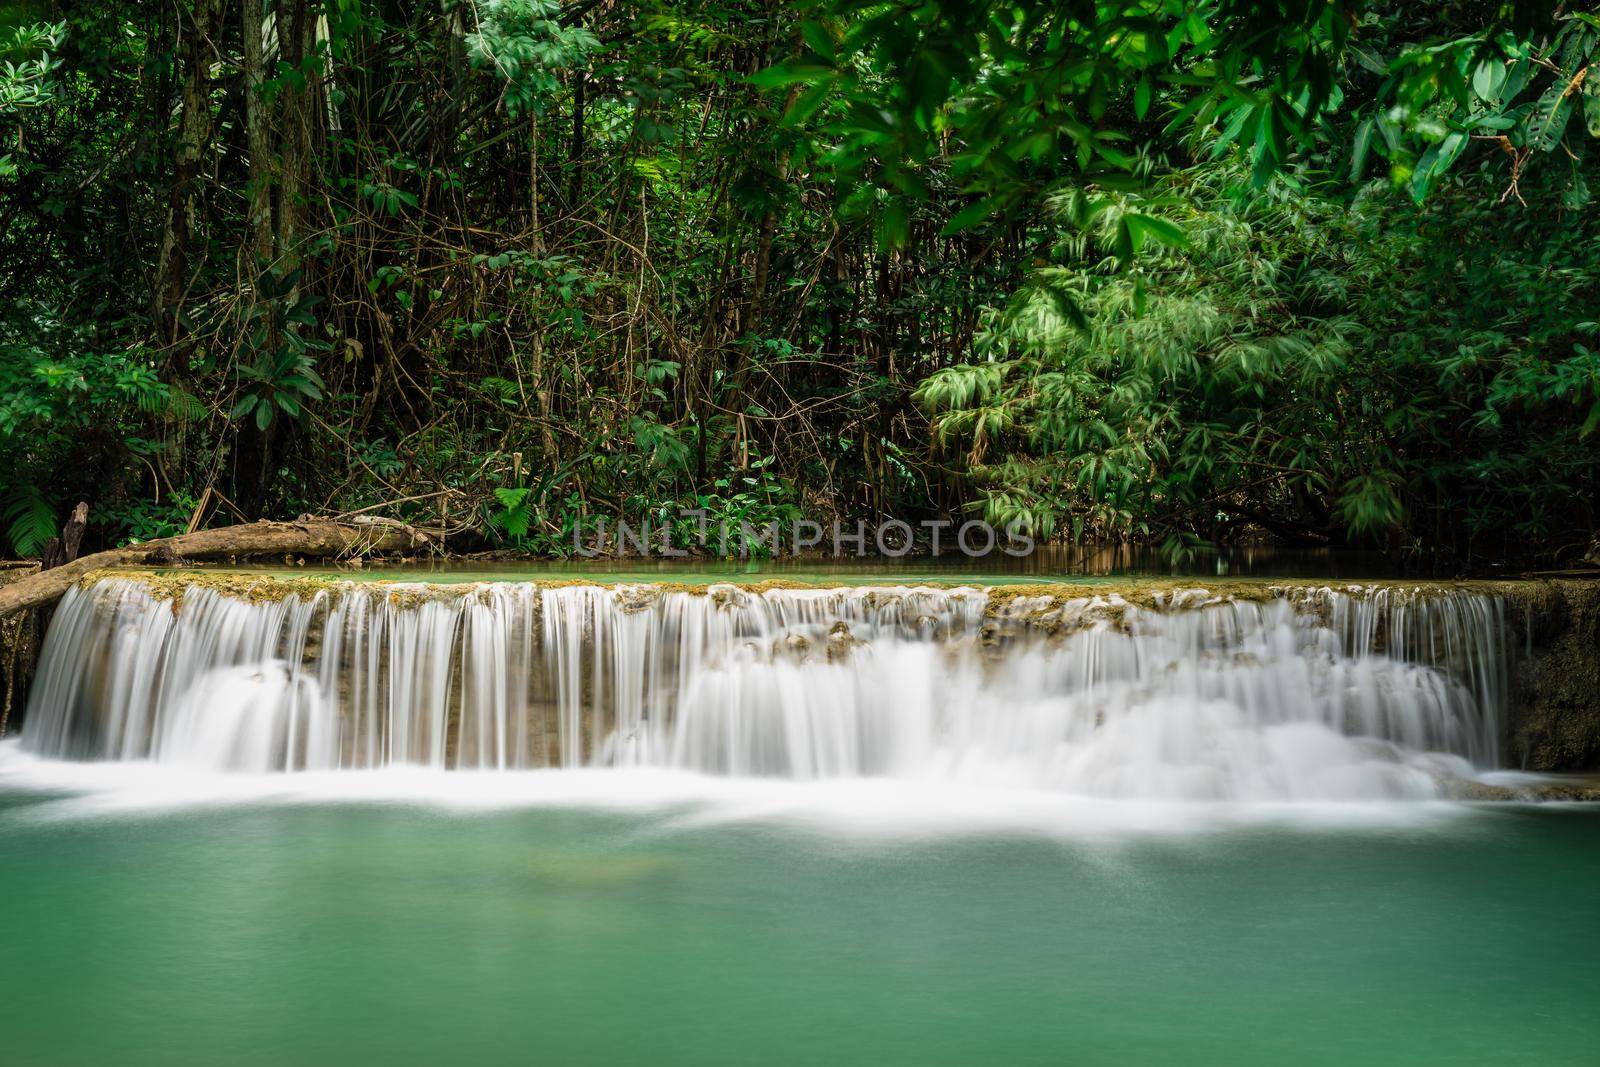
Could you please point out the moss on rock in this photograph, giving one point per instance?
(1555, 715)
(20, 635)
(241, 585)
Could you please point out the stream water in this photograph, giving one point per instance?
(509, 822)
(630, 926)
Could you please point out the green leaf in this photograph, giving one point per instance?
(806, 104)
(1489, 79)
(1162, 231)
(1549, 119)
(1125, 243)
(1264, 153)
(1359, 150)
(894, 226)
(972, 214)
(818, 38)
(1142, 94)
(789, 72)
(1591, 422)
(1435, 162)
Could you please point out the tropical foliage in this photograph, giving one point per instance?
(1185, 271)
(1420, 377)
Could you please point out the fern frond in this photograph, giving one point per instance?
(185, 406)
(30, 521)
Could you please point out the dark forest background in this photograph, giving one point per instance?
(1183, 273)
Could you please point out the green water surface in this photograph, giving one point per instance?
(375, 934)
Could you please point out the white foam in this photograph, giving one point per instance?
(866, 809)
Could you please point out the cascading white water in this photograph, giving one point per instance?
(1311, 694)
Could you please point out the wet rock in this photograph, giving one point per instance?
(1554, 718)
(842, 643)
(992, 636)
(1550, 789)
(726, 595)
(632, 599)
(1470, 790)
(20, 635)
(793, 647)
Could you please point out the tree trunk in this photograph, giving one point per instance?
(255, 456)
(198, 51)
(255, 110)
(315, 539)
(576, 149)
(296, 112)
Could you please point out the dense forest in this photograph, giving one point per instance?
(1174, 272)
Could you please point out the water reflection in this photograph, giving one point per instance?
(1049, 563)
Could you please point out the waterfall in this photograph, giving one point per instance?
(1307, 693)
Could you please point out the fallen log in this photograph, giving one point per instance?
(314, 539)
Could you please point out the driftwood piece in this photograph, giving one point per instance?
(313, 539)
(72, 533)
